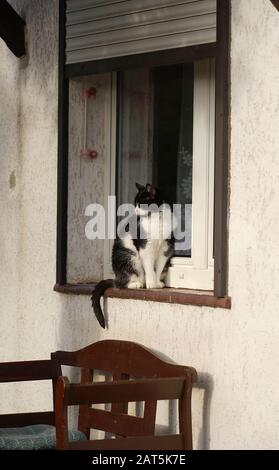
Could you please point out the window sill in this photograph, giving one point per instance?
(166, 295)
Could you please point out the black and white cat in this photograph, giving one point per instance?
(141, 262)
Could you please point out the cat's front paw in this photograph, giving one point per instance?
(135, 285)
(154, 285)
(160, 285)
(150, 284)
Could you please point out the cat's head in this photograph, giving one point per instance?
(146, 196)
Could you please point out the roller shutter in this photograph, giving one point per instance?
(102, 29)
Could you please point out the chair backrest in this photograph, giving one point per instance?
(23, 371)
(127, 360)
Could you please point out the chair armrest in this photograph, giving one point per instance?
(27, 370)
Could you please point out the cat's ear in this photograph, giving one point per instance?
(140, 187)
(151, 189)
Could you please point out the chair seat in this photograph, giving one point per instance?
(36, 437)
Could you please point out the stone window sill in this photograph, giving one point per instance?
(166, 295)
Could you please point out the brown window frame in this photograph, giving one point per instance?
(276, 3)
(221, 51)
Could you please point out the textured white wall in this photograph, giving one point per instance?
(236, 403)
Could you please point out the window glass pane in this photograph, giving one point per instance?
(173, 140)
(155, 136)
(135, 113)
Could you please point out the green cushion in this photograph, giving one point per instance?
(38, 436)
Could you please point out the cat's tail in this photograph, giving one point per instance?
(96, 297)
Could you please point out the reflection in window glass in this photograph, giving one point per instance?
(155, 136)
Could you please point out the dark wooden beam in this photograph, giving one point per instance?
(62, 168)
(275, 3)
(222, 148)
(12, 29)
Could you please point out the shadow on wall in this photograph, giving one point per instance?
(202, 441)
(201, 403)
(206, 384)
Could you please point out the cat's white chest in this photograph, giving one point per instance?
(157, 226)
(157, 229)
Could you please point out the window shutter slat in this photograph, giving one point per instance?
(101, 30)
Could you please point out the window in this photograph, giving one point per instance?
(165, 132)
(152, 119)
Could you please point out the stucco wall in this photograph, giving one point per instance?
(236, 403)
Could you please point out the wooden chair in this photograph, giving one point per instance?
(151, 379)
(30, 431)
